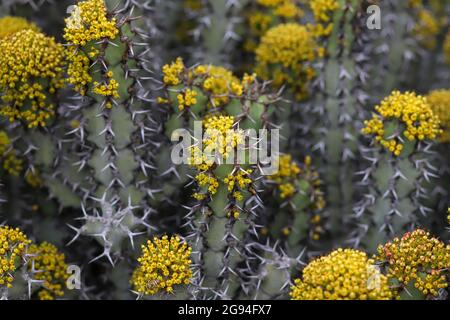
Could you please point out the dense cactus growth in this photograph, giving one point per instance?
(224, 149)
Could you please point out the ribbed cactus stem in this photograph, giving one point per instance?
(109, 70)
(273, 273)
(398, 172)
(394, 47)
(338, 100)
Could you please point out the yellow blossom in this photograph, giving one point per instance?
(172, 72)
(13, 245)
(164, 264)
(417, 257)
(344, 274)
(51, 268)
(412, 118)
(31, 70)
(89, 22)
(219, 82)
(285, 55)
(10, 25)
(426, 29)
(10, 162)
(439, 101)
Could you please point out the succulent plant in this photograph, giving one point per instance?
(226, 149)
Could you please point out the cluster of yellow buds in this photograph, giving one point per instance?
(33, 178)
(426, 29)
(31, 71)
(439, 101)
(164, 263)
(265, 14)
(285, 55)
(322, 11)
(419, 258)
(108, 90)
(219, 82)
(186, 99)
(50, 267)
(207, 180)
(89, 22)
(11, 163)
(220, 136)
(238, 180)
(219, 85)
(172, 72)
(402, 116)
(220, 139)
(288, 172)
(10, 25)
(13, 245)
(344, 274)
(431, 19)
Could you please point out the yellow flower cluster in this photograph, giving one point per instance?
(31, 70)
(288, 176)
(11, 163)
(51, 269)
(108, 90)
(220, 83)
(219, 140)
(10, 25)
(344, 274)
(285, 55)
(265, 15)
(281, 8)
(288, 171)
(426, 29)
(439, 101)
(236, 181)
(172, 72)
(417, 257)
(206, 180)
(164, 263)
(322, 11)
(410, 114)
(13, 245)
(89, 22)
(217, 83)
(447, 47)
(186, 99)
(33, 178)
(220, 135)
(78, 70)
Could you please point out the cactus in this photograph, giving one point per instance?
(110, 126)
(402, 126)
(226, 193)
(156, 174)
(299, 202)
(29, 268)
